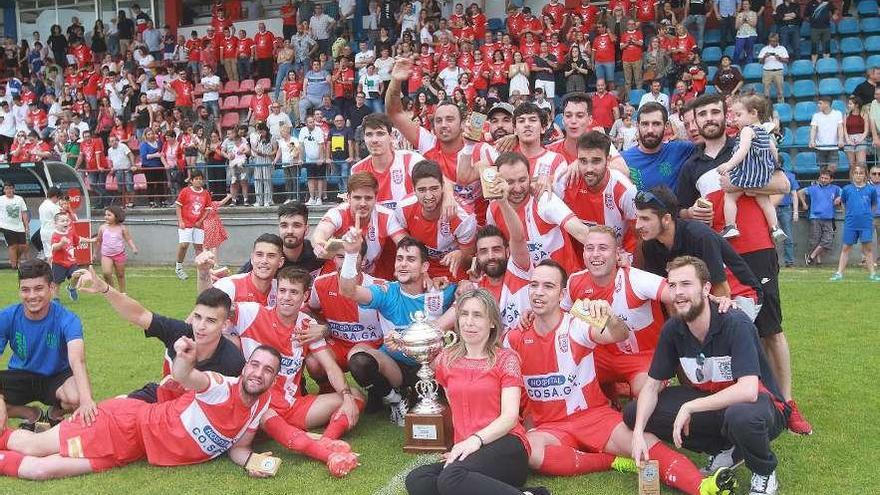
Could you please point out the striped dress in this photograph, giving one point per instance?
(758, 166)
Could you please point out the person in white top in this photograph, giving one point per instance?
(48, 209)
(14, 222)
(121, 160)
(311, 139)
(655, 95)
(276, 119)
(826, 134)
(773, 57)
(211, 97)
(287, 154)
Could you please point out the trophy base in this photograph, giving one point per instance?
(428, 433)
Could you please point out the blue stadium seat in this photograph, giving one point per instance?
(851, 46)
(560, 123)
(868, 8)
(495, 24)
(786, 160)
(835, 47)
(787, 137)
(753, 71)
(873, 61)
(847, 25)
(872, 43)
(635, 96)
(802, 136)
(830, 87)
(757, 49)
(827, 67)
(804, 110)
(802, 69)
(840, 106)
(711, 54)
(870, 25)
(729, 51)
(853, 65)
(786, 90)
(851, 83)
(804, 89)
(712, 37)
(757, 88)
(710, 90)
(710, 74)
(805, 163)
(784, 112)
(842, 162)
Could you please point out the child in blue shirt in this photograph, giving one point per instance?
(821, 212)
(859, 200)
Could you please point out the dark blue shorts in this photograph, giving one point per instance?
(852, 235)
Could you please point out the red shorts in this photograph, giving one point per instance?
(295, 415)
(613, 367)
(113, 440)
(587, 430)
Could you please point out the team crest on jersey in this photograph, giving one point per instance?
(434, 303)
(445, 229)
(397, 176)
(563, 343)
(371, 233)
(609, 202)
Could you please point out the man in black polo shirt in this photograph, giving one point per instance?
(665, 236)
(293, 228)
(728, 404)
(698, 178)
(214, 352)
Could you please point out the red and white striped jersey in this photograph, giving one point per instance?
(559, 147)
(440, 236)
(199, 426)
(512, 295)
(612, 204)
(558, 369)
(382, 226)
(634, 297)
(543, 221)
(346, 320)
(258, 325)
(549, 163)
(240, 288)
(396, 182)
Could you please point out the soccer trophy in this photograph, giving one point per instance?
(428, 425)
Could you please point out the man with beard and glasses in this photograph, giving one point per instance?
(601, 195)
(665, 236)
(259, 284)
(729, 406)
(293, 228)
(699, 178)
(653, 162)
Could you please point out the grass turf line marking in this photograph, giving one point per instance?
(397, 482)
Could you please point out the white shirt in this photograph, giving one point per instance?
(274, 122)
(450, 77)
(53, 114)
(661, 98)
(119, 157)
(48, 210)
(7, 126)
(311, 141)
(20, 112)
(772, 62)
(383, 68)
(346, 8)
(10, 213)
(211, 95)
(287, 147)
(826, 128)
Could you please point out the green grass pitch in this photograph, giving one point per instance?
(833, 330)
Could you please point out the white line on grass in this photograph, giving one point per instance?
(396, 483)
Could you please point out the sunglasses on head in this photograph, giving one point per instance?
(648, 197)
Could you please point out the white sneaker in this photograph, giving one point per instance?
(398, 412)
(319, 202)
(180, 273)
(723, 459)
(764, 485)
(310, 202)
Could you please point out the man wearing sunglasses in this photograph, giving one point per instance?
(730, 406)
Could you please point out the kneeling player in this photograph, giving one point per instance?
(276, 327)
(576, 431)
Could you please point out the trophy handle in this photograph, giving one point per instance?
(392, 341)
(453, 338)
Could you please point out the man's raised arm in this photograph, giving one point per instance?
(348, 284)
(400, 73)
(88, 281)
(183, 369)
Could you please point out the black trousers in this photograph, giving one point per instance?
(496, 468)
(749, 427)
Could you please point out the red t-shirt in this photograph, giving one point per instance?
(498, 73)
(646, 10)
(28, 96)
(245, 45)
(192, 205)
(603, 109)
(92, 152)
(632, 53)
(343, 83)
(83, 55)
(555, 12)
(65, 256)
(288, 15)
(20, 153)
(479, 70)
(265, 44)
(184, 90)
(480, 24)
(194, 49)
(38, 118)
(603, 46)
(589, 14)
(685, 43)
(514, 23)
(292, 89)
(260, 106)
(229, 48)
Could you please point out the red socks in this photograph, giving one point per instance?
(4, 437)
(295, 439)
(339, 423)
(10, 461)
(676, 470)
(561, 460)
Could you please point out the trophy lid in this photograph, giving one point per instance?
(421, 329)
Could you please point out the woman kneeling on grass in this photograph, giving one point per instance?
(483, 383)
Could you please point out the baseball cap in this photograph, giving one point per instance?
(501, 106)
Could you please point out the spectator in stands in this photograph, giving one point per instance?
(152, 38)
(725, 12)
(121, 162)
(820, 197)
(788, 22)
(263, 52)
(827, 134)
(605, 106)
(873, 113)
(728, 80)
(316, 85)
(321, 26)
(773, 57)
(151, 163)
(245, 56)
(695, 14)
(865, 90)
(286, 153)
(655, 95)
(58, 44)
(855, 129)
(746, 33)
(288, 13)
(211, 96)
(372, 87)
(604, 53)
(631, 43)
(311, 139)
(657, 63)
(284, 63)
(259, 108)
(276, 119)
(305, 46)
(819, 14)
(263, 152)
(126, 29)
(229, 54)
(359, 110)
(340, 149)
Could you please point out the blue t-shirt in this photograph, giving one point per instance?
(859, 203)
(39, 346)
(822, 201)
(877, 208)
(148, 149)
(396, 307)
(793, 182)
(648, 170)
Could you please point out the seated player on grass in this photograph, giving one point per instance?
(172, 433)
(205, 325)
(576, 430)
(48, 361)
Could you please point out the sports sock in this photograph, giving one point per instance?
(676, 470)
(339, 423)
(365, 370)
(295, 439)
(562, 460)
(10, 461)
(4, 437)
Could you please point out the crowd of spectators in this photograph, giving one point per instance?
(136, 107)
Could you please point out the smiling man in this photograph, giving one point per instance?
(653, 162)
(293, 228)
(259, 284)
